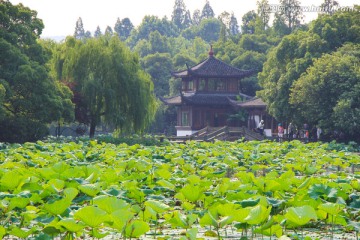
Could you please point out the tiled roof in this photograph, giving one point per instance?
(213, 67)
(208, 98)
(253, 103)
(172, 100)
(213, 99)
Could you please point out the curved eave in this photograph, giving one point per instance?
(172, 101)
(253, 103)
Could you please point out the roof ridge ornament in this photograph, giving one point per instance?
(211, 52)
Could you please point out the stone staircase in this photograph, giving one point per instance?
(226, 134)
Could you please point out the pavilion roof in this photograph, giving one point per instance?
(218, 99)
(252, 103)
(213, 67)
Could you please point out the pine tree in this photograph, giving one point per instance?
(178, 14)
(123, 28)
(88, 34)
(233, 25)
(263, 13)
(98, 32)
(108, 31)
(117, 27)
(79, 29)
(248, 22)
(291, 13)
(329, 6)
(187, 21)
(207, 11)
(196, 19)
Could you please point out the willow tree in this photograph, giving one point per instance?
(109, 84)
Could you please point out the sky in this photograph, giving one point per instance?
(60, 16)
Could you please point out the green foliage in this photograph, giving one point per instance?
(29, 97)
(294, 59)
(335, 76)
(111, 85)
(123, 28)
(96, 189)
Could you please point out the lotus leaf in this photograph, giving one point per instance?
(300, 215)
(109, 204)
(92, 216)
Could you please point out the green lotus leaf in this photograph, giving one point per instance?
(47, 173)
(18, 202)
(163, 173)
(60, 167)
(70, 193)
(31, 186)
(272, 230)
(98, 235)
(10, 180)
(249, 202)
(2, 232)
(57, 183)
(90, 189)
(136, 228)
(57, 207)
(166, 184)
(192, 193)
(320, 190)
(92, 216)
(176, 219)
(258, 215)
(331, 208)
(191, 234)
(18, 232)
(109, 203)
(120, 218)
(71, 225)
(209, 220)
(301, 215)
(157, 206)
(240, 214)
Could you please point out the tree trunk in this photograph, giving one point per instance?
(92, 129)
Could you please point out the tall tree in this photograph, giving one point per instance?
(207, 11)
(79, 29)
(123, 28)
(196, 18)
(249, 22)
(279, 26)
(291, 13)
(87, 34)
(158, 65)
(328, 94)
(328, 6)
(29, 98)
(233, 25)
(98, 32)
(263, 12)
(108, 77)
(109, 31)
(158, 43)
(209, 29)
(296, 53)
(178, 14)
(187, 21)
(150, 24)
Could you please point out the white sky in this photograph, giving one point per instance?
(60, 16)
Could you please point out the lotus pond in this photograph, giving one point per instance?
(247, 190)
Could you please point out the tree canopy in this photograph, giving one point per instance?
(297, 77)
(113, 88)
(29, 97)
